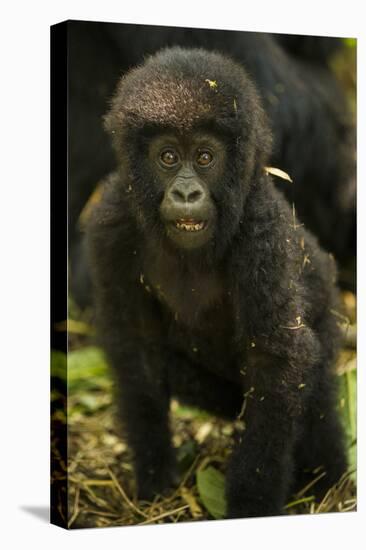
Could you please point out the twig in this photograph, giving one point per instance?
(296, 327)
(299, 501)
(295, 225)
(309, 485)
(336, 488)
(123, 494)
(101, 513)
(340, 316)
(98, 482)
(93, 497)
(164, 515)
(76, 507)
(184, 480)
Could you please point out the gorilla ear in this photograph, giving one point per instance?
(114, 124)
(256, 145)
(114, 118)
(109, 122)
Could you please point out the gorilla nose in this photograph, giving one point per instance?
(186, 192)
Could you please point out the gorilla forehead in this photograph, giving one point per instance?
(169, 102)
(180, 88)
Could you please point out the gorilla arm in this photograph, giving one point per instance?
(129, 333)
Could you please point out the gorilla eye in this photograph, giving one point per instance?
(169, 157)
(204, 158)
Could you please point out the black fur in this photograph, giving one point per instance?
(242, 325)
(310, 122)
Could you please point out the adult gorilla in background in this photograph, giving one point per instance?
(313, 135)
(208, 289)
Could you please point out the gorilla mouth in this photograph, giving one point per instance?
(189, 225)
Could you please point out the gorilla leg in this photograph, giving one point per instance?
(321, 448)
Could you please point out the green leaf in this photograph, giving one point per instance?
(82, 369)
(350, 42)
(348, 409)
(191, 413)
(211, 489)
(186, 454)
(87, 369)
(58, 364)
(90, 401)
(89, 361)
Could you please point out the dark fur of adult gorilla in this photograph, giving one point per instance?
(206, 286)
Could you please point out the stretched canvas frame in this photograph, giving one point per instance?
(74, 491)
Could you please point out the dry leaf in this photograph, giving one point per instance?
(277, 172)
(190, 499)
(203, 432)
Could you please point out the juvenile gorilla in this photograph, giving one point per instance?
(206, 286)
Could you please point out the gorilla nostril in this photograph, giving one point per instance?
(178, 195)
(194, 196)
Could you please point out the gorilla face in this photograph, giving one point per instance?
(191, 138)
(189, 170)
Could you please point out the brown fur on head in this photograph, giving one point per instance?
(166, 102)
(181, 89)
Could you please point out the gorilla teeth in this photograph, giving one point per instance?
(189, 226)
